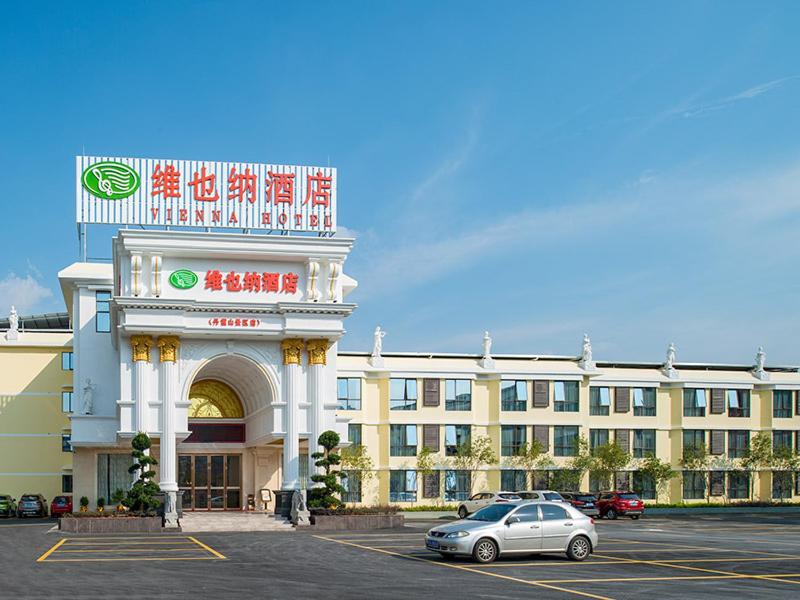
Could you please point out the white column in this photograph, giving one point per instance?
(292, 374)
(168, 391)
(140, 350)
(317, 355)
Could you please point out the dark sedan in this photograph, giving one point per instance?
(584, 502)
(32, 505)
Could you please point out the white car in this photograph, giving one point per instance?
(541, 495)
(516, 528)
(481, 499)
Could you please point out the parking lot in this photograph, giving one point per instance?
(702, 557)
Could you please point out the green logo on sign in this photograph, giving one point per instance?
(110, 180)
(183, 279)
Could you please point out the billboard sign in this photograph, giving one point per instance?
(190, 193)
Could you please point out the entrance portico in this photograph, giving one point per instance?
(197, 318)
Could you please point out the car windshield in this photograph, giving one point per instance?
(587, 498)
(628, 497)
(492, 513)
(553, 496)
(29, 498)
(60, 500)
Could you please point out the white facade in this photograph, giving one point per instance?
(164, 337)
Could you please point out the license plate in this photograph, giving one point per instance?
(433, 544)
(634, 512)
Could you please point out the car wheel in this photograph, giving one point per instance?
(579, 548)
(611, 514)
(635, 517)
(462, 512)
(485, 551)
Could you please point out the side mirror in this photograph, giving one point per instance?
(511, 520)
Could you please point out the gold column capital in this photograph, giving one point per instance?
(317, 351)
(168, 347)
(292, 351)
(140, 347)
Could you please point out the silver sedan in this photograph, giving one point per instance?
(516, 528)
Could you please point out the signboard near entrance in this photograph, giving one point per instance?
(189, 193)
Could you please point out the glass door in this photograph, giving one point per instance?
(210, 482)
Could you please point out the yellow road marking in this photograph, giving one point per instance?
(468, 569)
(132, 558)
(202, 545)
(128, 543)
(53, 549)
(672, 547)
(686, 567)
(620, 579)
(146, 550)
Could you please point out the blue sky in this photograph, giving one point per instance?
(631, 170)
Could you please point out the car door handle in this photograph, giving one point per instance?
(568, 524)
(534, 527)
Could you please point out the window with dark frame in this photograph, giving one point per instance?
(354, 433)
(597, 438)
(695, 401)
(566, 396)
(782, 401)
(403, 440)
(644, 402)
(67, 359)
(513, 480)
(456, 436)
(403, 394)
(66, 484)
(513, 438)
(403, 486)
(694, 438)
(738, 485)
(457, 394)
(102, 318)
(738, 403)
(694, 485)
(738, 442)
(513, 395)
(456, 485)
(644, 443)
(644, 485)
(599, 401)
(565, 440)
(348, 393)
(66, 442)
(352, 487)
(781, 439)
(66, 401)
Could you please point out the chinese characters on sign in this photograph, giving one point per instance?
(206, 194)
(233, 322)
(282, 283)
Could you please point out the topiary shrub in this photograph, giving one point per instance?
(325, 496)
(141, 497)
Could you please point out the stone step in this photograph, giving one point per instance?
(233, 521)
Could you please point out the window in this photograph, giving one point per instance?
(455, 436)
(354, 433)
(644, 485)
(694, 402)
(694, 438)
(781, 485)
(302, 471)
(644, 443)
(599, 400)
(403, 486)
(513, 480)
(66, 445)
(597, 437)
(67, 361)
(566, 396)
(102, 310)
(66, 402)
(66, 484)
(738, 441)
(782, 404)
(112, 474)
(403, 440)
(738, 403)
(565, 440)
(456, 485)
(738, 485)
(403, 394)
(781, 439)
(349, 393)
(528, 513)
(352, 487)
(551, 512)
(513, 395)
(694, 485)
(512, 439)
(644, 402)
(457, 394)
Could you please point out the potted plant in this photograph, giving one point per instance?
(101, 503)
(84, 504)
(118, 497)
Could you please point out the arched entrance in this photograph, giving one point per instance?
(227, 456)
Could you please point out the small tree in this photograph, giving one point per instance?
(659, 470)
(356, 460)
(608, 458)
(141, 496)
(695, 458)
(579, 464)
(425, 461)
(473, 455)
(531, 457)
(757, 457)
(325, 496)
(784, 460)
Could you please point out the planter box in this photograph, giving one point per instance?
(344, 522)
(110, 524)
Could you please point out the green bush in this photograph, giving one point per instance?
(141, 497)
(325, 497)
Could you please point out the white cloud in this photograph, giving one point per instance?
(748, 94)
(26, 294)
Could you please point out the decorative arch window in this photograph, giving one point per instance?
(212, 399)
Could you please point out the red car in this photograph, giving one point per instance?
(60, 506)
(615, 504)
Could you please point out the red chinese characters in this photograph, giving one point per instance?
(280, 188)
(318, 190)
(166, 182)
(204, 186)
(234, 322)
(242, 185)
(250, 281)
